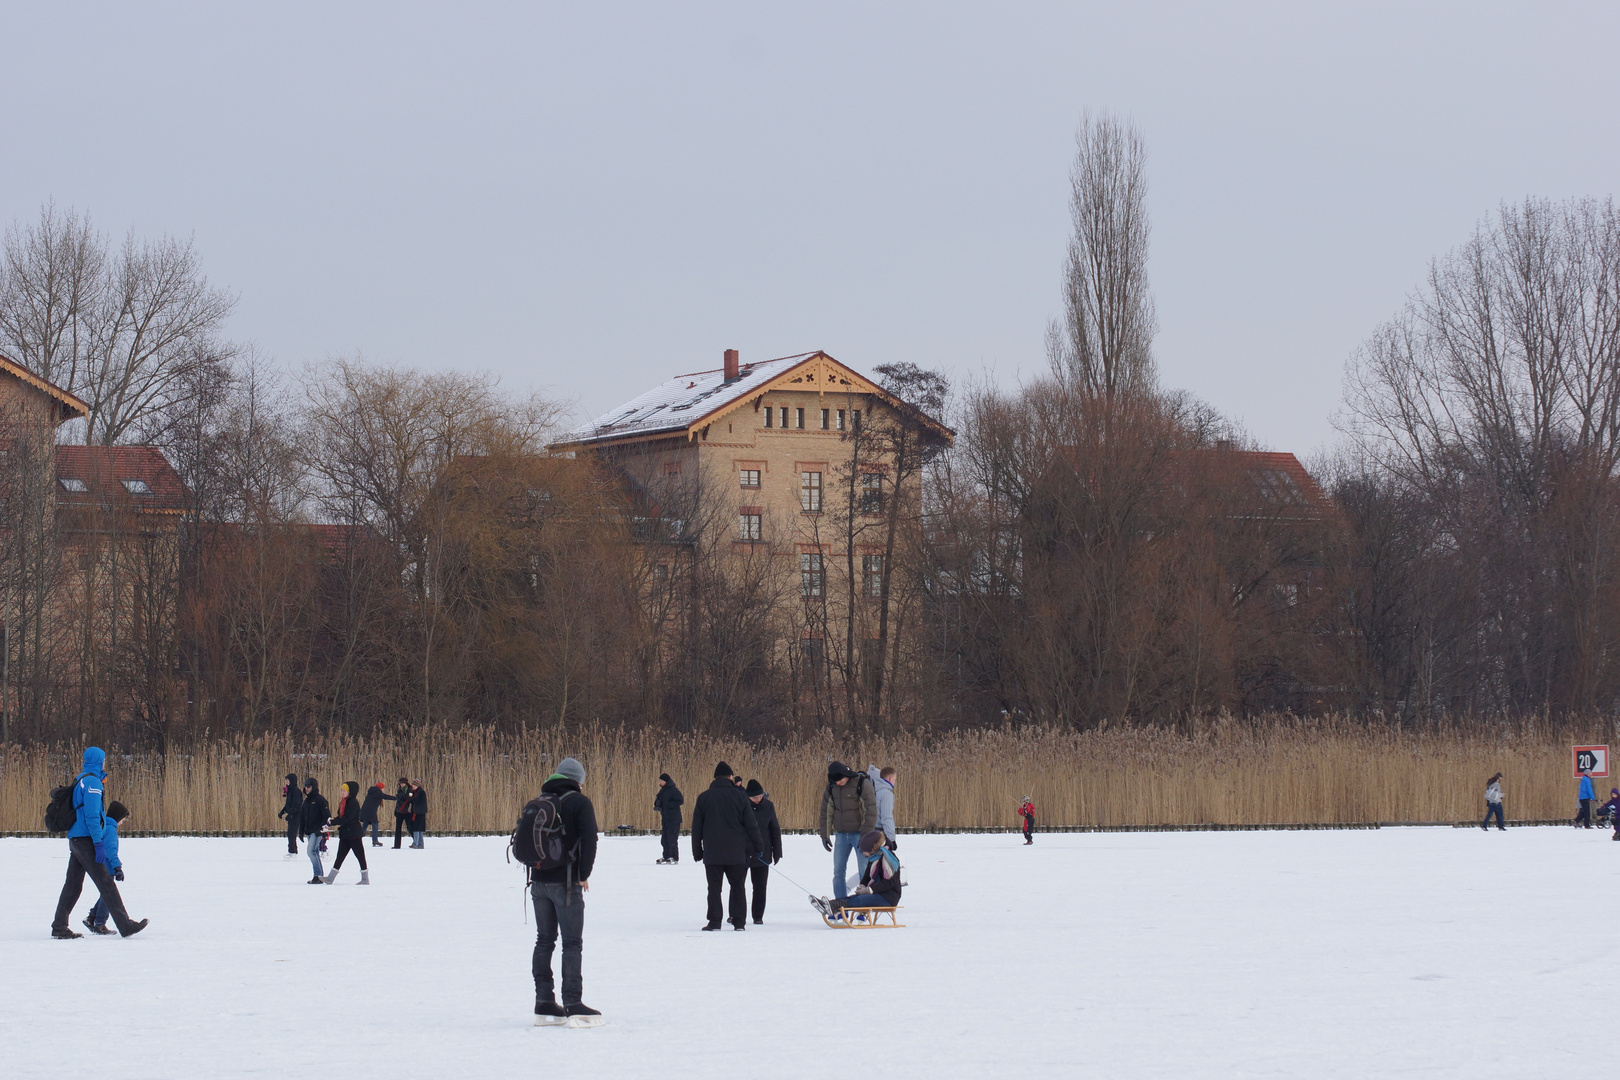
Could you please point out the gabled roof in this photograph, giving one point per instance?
(104, 470)
(687, 403)
(69, 407)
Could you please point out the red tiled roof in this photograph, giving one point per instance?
(111, 470)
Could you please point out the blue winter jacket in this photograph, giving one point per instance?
(88, 817)
(1586, 790)
(110, 845)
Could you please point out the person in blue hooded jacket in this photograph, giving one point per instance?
(87, 852)
(96, 920)
(1587, 797)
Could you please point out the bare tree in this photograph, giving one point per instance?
(1102, 344)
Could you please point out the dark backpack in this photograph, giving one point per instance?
(62, 812)
(538, 841)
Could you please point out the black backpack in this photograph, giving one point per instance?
(538, 841)
(62, 812)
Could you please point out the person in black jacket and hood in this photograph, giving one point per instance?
(559, 904)
(418, 813)
(668, 803)
(725, 839)
(312, 819)
(368, 811)
(402, 809)
(770, 846)
(292, 809)
(351, 834)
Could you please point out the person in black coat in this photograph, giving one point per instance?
(559, 903)
(668, 804)
(418, 813)
(313, 817)
(351, 833)
(368, 810)
(402, 809)
(770, 846)
(725, 839)
(292, 807)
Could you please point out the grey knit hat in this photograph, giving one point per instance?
(571, 768)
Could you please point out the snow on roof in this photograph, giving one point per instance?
(674, 405)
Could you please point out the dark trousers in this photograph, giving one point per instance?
(357, 845)
(1494, 809)
(1029, 828)
(82, 861)
(400, 825)
(1585, 816)
(370, 826)
(558, 907)
(738, 906)
(672, 839)
(759, 874)
(292, 837)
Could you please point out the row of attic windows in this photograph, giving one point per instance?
(79, 487)
(831, 419)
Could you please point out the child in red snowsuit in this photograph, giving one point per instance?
(1026, 810)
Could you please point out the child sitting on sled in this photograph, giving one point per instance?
(880, 878)
(1610, 811)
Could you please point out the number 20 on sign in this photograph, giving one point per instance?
(1592, 760)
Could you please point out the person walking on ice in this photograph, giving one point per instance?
(1026, 810)
(292, 805)
(559, 878)
(369, 810)
(848, 811)
(402, 809)
(96, 920)
(1493, 803)
(668, 804)
(313, 818)
(725, 839)
(770, 846)
(1587, 796)
(883, 787)
(351, 833)
(87, 851)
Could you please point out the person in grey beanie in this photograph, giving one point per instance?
(559, 903)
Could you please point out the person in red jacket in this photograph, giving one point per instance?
(1026, 810)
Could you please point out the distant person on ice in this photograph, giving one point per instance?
(770, 846)
(351, 834)
(418, 813)
(1612, 810)
(1026, 810)
(369, 810)
(883, 787)
(313, 818)
(880, 879)
(96, 920)
(668, 804)
(87, 851)
(292, 805)
(848, 809)
(402, 809)
(1493, 803)
(725, 839)
(1587, 797)
(559, 903)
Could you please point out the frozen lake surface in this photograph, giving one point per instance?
(1412, 952)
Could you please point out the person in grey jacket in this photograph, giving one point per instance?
(1493, 804)
(883, 787)
(848, 809)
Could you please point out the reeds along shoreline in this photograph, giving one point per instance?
(1284, 770)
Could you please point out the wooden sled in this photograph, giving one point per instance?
(848, 921)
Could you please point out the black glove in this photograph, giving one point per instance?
(118, 874)
(776, 860)
(826, 843)
(894, 842)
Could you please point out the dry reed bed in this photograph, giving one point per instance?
(1321, 771)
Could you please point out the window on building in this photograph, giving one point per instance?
(826, 419)
(812, 576)
(73, 484)
(672, 468)
(137, 487)
(871, 493)
(798, 418)
(810, 492)
(840, 419)
(872, 575)
(750, 478)
(748, 526)
(769, 415)
(784, 417)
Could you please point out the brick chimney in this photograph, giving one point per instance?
(731, 365)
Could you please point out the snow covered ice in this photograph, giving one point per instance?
(1426, 952)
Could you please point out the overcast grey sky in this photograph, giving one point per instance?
(589, 198)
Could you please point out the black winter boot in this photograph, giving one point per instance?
(549, 1014)
(64, 933)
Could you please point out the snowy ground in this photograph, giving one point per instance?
(1419, 952)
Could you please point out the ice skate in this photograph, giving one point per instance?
(823, 905)
(291, 855)
(583, 1016)
(549, 1014)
